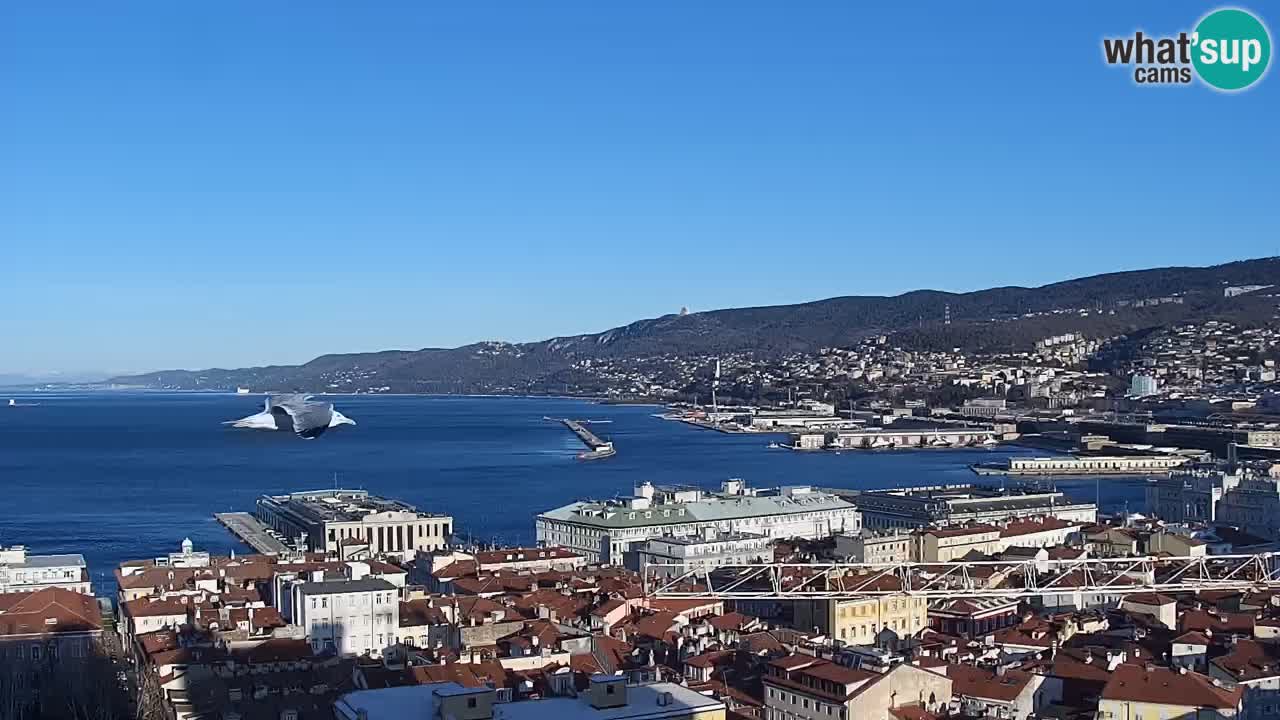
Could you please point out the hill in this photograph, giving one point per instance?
(995, 319)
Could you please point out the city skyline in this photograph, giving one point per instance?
(249, 186)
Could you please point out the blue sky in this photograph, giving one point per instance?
(233, 183)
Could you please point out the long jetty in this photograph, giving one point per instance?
(251, 531)
(596, 448)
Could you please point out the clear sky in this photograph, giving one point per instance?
(228, 183)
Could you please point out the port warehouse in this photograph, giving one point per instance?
(1094, 464)
(335, 521)
(893, 438)
(910, 508)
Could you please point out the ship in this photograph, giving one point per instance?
(242, 391)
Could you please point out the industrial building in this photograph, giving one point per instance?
(334, 521)
(604, 530)
(959, 504)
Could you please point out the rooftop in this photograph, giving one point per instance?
(421, 701)
(338, 587)
(339, 505)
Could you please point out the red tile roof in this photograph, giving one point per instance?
(1134, 683)
(975, 682)
(51, 610)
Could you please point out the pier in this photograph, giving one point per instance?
(252, 532)
(596, 448)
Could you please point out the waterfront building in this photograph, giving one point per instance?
(23, 573)
(908, 508)
(328, 519)
(1253, 506)
(359, 615)
(984, 407)
(875, 549)
(1086, 465)
(1190, 494)
(603, 531)
(607, 697)
(906, 438)
(803, 687)
(709, 550)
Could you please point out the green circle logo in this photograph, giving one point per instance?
(1232, 49)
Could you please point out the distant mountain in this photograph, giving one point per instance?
(998, 318)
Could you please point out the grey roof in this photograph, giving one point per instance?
(709, 509)
(46, 561)
(336, 587)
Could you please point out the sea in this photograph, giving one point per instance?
(126, 475)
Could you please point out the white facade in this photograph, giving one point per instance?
(603, 531)
(709, 550)
(20, 572)
(349, 617)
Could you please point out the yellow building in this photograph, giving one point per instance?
(946, 544)
(857, 621)
(802, 687)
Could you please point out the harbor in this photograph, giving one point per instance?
(596, 448)
(251, 532)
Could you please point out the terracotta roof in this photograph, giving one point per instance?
(1239, 623)
(710, 659)
(415, 613)
(532, 554)
(153, 607)
(1035, 525)
(607, 607)
(1148, 598)
(962, 531)
(51, 610)
(470, 675)
(273, 650)
(981, 683)
(656, 626)
(1250, 660)
(1192, 638)
(730, 621)
(1133, 683)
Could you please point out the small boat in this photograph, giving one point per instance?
(13, 403)
(242, 391)
(990, 442)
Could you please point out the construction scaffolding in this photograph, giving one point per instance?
(1081, 577)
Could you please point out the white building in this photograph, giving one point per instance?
(23, 573)
(875, 549)
(329, 519)
(607, 698)
(1143, 386)
(349, 617)
(603, 531)
(709, 550)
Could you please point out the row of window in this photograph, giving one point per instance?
(819, 708)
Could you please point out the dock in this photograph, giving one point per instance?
(252, 532)
(596, 448)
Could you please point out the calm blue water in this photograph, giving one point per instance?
(117, 476)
